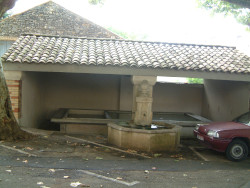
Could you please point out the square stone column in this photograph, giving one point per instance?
(142, 99)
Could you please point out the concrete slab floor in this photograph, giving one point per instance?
(60, 162)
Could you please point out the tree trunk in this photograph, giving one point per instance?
(6, 5)
(9, 128)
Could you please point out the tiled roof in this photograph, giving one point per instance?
(52, 19)
(109, 52)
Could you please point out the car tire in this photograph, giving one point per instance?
(237, 150)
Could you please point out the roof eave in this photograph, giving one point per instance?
(8, 38)
(91, 69)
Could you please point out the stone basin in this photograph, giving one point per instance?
(154, 140)
(82, 121)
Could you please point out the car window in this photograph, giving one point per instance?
(245, 119)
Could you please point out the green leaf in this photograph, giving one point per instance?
(157, 155)
(239, 10)
(99, 158)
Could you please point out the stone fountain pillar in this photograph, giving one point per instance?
(149, 140)
(142, 99)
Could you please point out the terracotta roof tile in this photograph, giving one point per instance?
(109, 52)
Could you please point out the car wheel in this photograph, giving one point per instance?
(237, 150)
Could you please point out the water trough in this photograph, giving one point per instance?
(83, 121)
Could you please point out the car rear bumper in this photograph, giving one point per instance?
(216, 144)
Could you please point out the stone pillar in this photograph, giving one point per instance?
(142, 99)
(13, 80)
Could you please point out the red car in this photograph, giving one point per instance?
(233, 137)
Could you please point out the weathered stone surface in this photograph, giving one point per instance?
(144, 140)
(142, 99)
(143, 114)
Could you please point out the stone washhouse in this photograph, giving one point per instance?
(66, 66)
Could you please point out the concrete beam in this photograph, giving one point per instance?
(75, 68)
(139, 79)
(13, 75)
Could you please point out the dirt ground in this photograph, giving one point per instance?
(56, 144)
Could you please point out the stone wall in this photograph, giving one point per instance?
(167, 97)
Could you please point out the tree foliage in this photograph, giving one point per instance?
(96, 2)
(239, 9)
(195, 80)
(5, 15)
